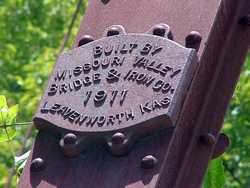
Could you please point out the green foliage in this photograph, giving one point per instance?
(31, 34)
(7, 119)
(237, 126)
(215, 177)
(20, 162)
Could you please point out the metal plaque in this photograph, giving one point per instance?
(128, 81)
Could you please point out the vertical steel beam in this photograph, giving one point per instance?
(209, 96)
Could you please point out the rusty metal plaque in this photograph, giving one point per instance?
(128, 81)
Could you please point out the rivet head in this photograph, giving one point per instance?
(105, 1)
(70, 139)
(113, 31)
(118, 138)
(208, 139)
(148, 162)
(37, 165)
(193, 40)
(159, 30)
(85, 39)
(245, 20)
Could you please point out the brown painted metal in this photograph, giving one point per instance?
(137, 16)
(206, 104)
(221, 145)
(187, 157)
(95, 168)
(86, 80)
(95, 90)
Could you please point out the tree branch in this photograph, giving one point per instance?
(67, 35)
(232, 173)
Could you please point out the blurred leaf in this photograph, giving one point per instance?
(12, 114)
(7, 119)
(215, 177)
(3, 110)
(3, 102)
(20, 162)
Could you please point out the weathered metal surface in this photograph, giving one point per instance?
(100, 169)
(209, 96)
(96, 90)
(95, 168)
(97, 87)
(222, 144)
(186, 16)
(182, 16)
(140, 168)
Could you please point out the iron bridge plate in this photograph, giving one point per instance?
(126, 82)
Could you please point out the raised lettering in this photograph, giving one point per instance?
(97, 51)
(146, 49)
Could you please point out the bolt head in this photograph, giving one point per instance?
(105, 1)
(208, 139)
(148, 162)
(37, 165)
(193, 40)
(113, 31)
(245, 20)
(85, 39)
(159, 30)
(70, 139)
(118, 138)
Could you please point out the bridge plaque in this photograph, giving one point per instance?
(118, 83)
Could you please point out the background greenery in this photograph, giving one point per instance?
(31, 35)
